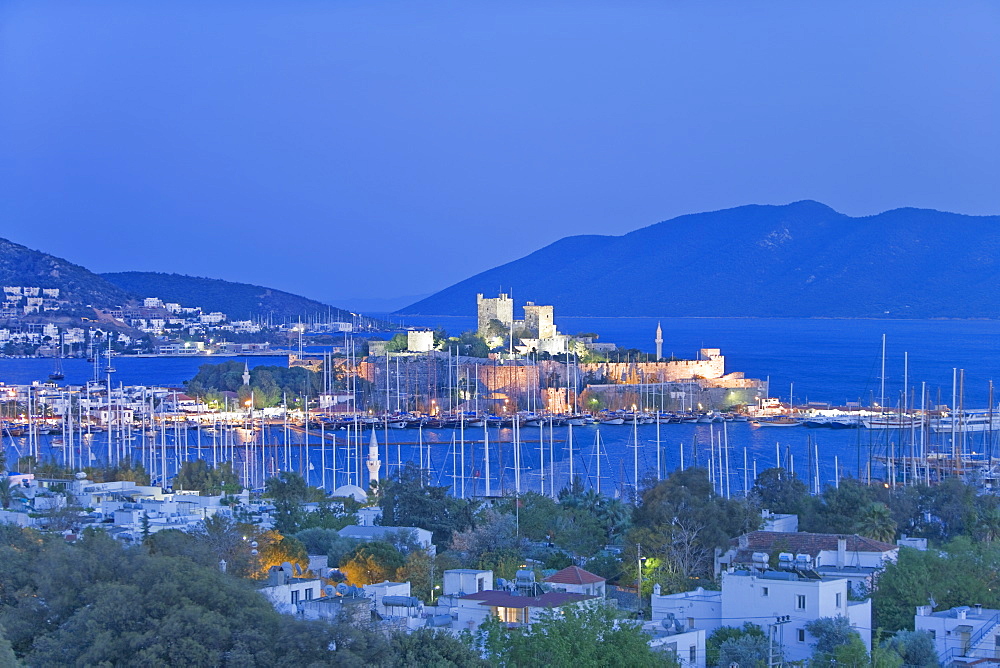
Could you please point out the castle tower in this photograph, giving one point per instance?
(659, 342)
(501, 308)
(373, 462)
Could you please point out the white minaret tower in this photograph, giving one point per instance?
(373, 462)
(659, 342)
(246, 373)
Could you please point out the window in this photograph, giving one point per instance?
(693, 653)
(690, 622)
(295, 596)
(764, 591)
(933, 634)
(800, 602)
(838, 599)
(309, 594)
(802, 635)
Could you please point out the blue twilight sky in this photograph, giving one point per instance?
(343, 149)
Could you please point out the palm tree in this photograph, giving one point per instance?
(876, 523)
(7, 492)
(989, 524)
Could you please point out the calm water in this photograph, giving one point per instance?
(164, 371)
(827, 360)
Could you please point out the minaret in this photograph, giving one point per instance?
(246, 373)
(659, 342)
(373, 462)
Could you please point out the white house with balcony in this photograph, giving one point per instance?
(762, 596)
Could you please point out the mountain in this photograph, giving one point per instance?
(22, 266)
(798, 260)
(240, 301)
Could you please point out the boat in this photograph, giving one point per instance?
(889, 421)
(972, 421)
(57, 370)
(783, 421)
(613, 420)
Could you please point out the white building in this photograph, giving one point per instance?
(761, 597)
(286, 588)
(473, 609)
(462, 581)
(686, 645)
(422, 537)
(418, 341)
(389, 596)
(577, 581)
(970, 633)
(854, 557)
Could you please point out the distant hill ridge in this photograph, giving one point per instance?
(240, 301)
(797, 260)
(25, 267)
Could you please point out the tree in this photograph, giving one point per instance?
(682, 518)
(408, 499)
(96, 602)
(198, 475)
(328, 542)
(720, 635)
(876, 523)
(493, 544)
(371, 562)
(837, 643)
(288, 491)
(830, 632)
(429, 647)
(275, 549)
(915, 648)
(8, 492)
(585, 637)
(745, 650)
(780, 492)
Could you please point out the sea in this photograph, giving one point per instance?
(809, 360)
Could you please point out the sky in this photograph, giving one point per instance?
(350, 150)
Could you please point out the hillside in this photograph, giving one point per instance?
(22, 266)
(798, 260)
(239, 301)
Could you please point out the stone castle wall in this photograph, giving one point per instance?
(655, 372)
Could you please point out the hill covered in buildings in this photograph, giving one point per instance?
(23, 267)
(798, 260)
(237, 300)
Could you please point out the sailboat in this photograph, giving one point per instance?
(57, 370)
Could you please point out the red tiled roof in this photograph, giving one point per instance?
(803, 543)
(574, 575)
(502, 599)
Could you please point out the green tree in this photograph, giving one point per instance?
(8, 492)
(374, 561)
(288, 491)
(569, 636)
(429, 647)
(724, 633)
(275, 549)
(876, 523)
(198, 475)
(780, 492)
(744, 650)
(408, 499)
(915, 648)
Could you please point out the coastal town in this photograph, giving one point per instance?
(428, 484)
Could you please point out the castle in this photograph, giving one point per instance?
(535, 333)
